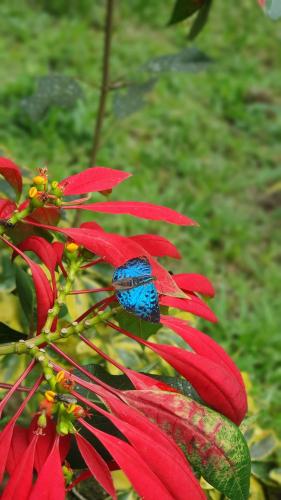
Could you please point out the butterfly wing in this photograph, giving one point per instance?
(133, 268)
(141, 301)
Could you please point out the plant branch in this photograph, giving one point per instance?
(105, 80)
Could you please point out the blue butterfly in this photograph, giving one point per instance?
(135, 289)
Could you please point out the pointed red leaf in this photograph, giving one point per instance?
(20, 482)
(46, 442)
(193, 304)
(117, 250)
(213, 444)
(50, 482)
(91, 225)
(7, 207)
(215, 384)
(58, 248)
(144, 480)
(160, 454)
(194, 283)
(44, 294)
(46, 215)
(92, 180)
(5, 442)
(138, 209)
(12, 173)
(42, 248)
(203, 344)
(96, 464)
(157, 245)
(18, 446)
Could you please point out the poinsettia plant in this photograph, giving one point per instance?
(75, 421)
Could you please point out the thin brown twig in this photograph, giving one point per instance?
(105, 80)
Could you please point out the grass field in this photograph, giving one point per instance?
(207, 144)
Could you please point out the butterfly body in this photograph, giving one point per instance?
(135, 289)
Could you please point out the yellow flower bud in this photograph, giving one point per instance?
(60, 376)
(32, 192)
(39, 179)
(54, 184)
(71, 247)
(50, 396)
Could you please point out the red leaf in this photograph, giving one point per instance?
(5, 442)
(42, 248)
(50, 482)
(44, 294)
(12, 173)
(215, 384)
(96, 464)
(58, 248)
(194, 283)
(20, 482)
(91, 225)
(18, 446)
(92, 179)
(46, 215)
(46, 443)
(138, 209)
(117, 250)
(7, 207)
(194, 305)
(203, 345)
(157, 245)
(145, 482)
(161, 454)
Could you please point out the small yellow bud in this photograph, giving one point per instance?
(39, 179)
(54, 184)
(60, 376)
(32, 192)
(71, 247)
(50, 396)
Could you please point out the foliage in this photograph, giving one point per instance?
(140, 427)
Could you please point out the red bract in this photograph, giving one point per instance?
(50, 482)
(138, 209)
(92, 180)
(157, 245)
(20, 482)
(12, 174)
(7, 207)
(44, 293)
(96, 464)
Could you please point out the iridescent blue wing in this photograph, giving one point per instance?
(141, 301)
(133, 268)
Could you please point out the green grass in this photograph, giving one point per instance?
(207, 144)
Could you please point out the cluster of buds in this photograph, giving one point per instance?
(61, 403)
(41, 191)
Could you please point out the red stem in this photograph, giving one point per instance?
(15, 386)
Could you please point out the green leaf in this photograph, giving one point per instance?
(215, 447)
(53, 90)
(200, 20)
(25, 293)
(264, 447)
(190, 60)
(7, 273)
(262, 471)
(8, 334)
(137, 326)
(184, 9)
(127, 102)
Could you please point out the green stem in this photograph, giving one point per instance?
(27, 346)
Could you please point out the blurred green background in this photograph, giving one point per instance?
(207, 144)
